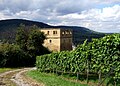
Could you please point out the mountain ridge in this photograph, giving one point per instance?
(8, 30)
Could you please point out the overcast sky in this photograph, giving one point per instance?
(97, 15)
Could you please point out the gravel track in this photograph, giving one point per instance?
(18, 78)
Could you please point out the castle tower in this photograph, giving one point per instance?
(58, 39)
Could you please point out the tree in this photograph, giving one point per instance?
(35, 41)
(22, 37)
(30, 40)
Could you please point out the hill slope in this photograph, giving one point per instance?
(8, 30)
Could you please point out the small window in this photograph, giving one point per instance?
(48, 32)
(70, 32)
(63, 32)
(54, 32)
(50, 41)
(67, 32)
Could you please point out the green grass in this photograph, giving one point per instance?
(52, 79)
(5, 69)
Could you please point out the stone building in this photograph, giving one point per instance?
(58, 39)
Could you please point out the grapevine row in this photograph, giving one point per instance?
(101, 56)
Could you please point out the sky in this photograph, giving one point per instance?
(97, 15)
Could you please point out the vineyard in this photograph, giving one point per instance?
(100, 57)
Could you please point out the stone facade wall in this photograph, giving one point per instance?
(58, 39)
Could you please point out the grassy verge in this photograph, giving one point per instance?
(51, 79)
(5, 69)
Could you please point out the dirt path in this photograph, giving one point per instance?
(17, 78)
